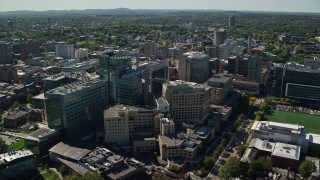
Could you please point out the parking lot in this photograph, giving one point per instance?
(9, 140)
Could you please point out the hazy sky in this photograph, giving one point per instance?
(257, 5)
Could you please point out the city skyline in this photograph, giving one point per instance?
(242, 5)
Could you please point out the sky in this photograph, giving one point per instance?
(253, 5)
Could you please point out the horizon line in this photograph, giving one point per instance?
(185, 9)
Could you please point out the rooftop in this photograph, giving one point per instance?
(73, 151)
(286, 151)
(75, 86)
(14, 155)
(261, 145)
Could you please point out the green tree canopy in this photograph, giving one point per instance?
(230, 169)
(263, 106)
(306, 168)
(87, 176)
(258, 166)
(3, 146)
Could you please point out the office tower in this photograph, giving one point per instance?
(57, 80)
(188, 101)
(150, 49)
(125, 83)
(219, 37)
(250, 35)
(163, 126)
(81, 54)
(5, 53)
(232, 21)
(220, 86)
(238, 65)
(77, 108)
(254, 69)
(296, 81)
(29, 49)
(212, 51)
(8, 73)
(194, 67)
(65, 51)
(120, 120)
(126, 88)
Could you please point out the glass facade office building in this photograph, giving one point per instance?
(77, 109)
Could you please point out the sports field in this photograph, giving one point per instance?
(311, 123)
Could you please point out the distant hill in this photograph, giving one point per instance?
(126, 11)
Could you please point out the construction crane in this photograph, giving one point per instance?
(183, 168)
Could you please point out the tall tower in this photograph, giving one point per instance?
(250, 35)
(219, 37)
(232, 21)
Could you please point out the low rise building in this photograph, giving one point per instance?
(16, 119)
(17, 165)
(99, 160)
(281, 132)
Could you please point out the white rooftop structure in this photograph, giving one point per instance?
(14, 155)
(287, 151)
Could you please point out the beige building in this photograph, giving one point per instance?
(119, 120)
(220, 86)
(194, 67)
(189, 102)
(163, 125)
(145, 145)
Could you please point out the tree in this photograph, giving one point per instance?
(3, 146)
(263, 106)
(306, 168)
(15, 105)
(174, 168)
(29, 98)
(208, 162)
(252, 101)
(258, 166)
(63, 170)
(241, 149)
(230, 169)
(259, 115)
(86, 176)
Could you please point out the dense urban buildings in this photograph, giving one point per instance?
(5, 53)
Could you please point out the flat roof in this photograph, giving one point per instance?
(262, 145)
(170, 141)
(313, 138)
(14, 155)
(286, 151)
(70, 151)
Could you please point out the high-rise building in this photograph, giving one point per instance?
(219, 37)
(254, 69)
(150, 49)
(120, 120)
(81, 54)
(232, 21)
(220, 86)
(194, 67)
(188, 101)
(5, 53)
(212, 51)
(8, 73)
(65, 51)
(238, 65)
(125, 84)
(29, 49)
(76, 109)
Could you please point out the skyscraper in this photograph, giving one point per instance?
(150, 49)
(254, 68)
(5, 53)
(232, 21)
(29, 49)
(194, 67)
(249, 50)
(219, 37)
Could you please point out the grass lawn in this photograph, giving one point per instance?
(18, 145)
(311, 123)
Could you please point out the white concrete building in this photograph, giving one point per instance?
(281, 132)
(65, 51)
(81, 54)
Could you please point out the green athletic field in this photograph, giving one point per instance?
(311, 123)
